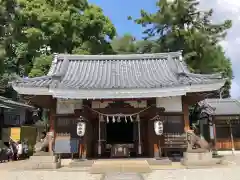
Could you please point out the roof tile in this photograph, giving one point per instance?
(119, 71)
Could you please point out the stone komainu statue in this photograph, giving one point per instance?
(40, 146)
(196, 144)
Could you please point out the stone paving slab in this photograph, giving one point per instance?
(103, 166)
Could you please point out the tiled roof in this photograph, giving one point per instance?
(221, 106)
(118, 71)
(12, 104)
(4, 106)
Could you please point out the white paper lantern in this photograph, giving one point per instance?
(81, 129)
(158, 128)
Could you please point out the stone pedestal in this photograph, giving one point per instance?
(43, 162)
(199, 159)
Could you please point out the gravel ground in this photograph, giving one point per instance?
(47, 175)
(196, 174)
(234, 159)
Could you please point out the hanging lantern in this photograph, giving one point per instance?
(126, 119)
(81, 128)
(113, 119)
(158, 127)
(107, 119)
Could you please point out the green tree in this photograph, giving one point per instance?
(180, 25)
(32, 30)
(41, 66)
(124, 44)
(128, 44)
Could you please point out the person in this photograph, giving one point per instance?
(44, 134)
(13, 149)
(19, 150)
(25, 149)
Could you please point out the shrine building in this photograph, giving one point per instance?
(119, 98)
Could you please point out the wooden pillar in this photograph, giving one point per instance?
(151, 136)
(83, 141)
(52, 118)
(185, 114)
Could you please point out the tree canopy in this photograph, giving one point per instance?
(181, 25)
(32, 30)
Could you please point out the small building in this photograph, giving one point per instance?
(17, 113)
(119, 97)
(14, 114)
(225, 117)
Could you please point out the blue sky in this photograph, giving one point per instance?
(119, 10)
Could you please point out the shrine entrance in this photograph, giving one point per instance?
(119, 137)
(120, 140)
(120, 132)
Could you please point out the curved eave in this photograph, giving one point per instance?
(118, 93)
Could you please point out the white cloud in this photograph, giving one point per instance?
(229, 9)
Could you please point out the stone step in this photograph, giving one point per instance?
(103, 167)
(42, 162)
(122, 176)
(42, 158)
(42, 165)
(201, 163)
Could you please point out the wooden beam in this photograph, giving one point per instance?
(41, 101)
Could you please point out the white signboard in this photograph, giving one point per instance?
(171, 104)
(65, 107)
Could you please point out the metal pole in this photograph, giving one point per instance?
(139, 137)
